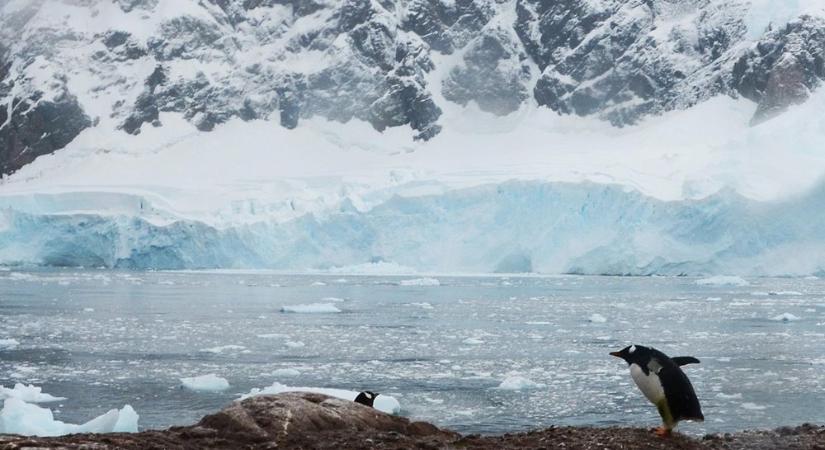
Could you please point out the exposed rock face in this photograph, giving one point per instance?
(783, 68)
(122, 64)
(35, 123)
(303, 420)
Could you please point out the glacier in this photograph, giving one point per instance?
(511, 227)
(695, 192)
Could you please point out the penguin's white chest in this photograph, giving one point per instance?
(650, 385)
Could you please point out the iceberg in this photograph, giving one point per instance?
(28, 393)
(205, 383)
(384, 403)
(19, 417)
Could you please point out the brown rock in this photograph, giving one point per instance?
(313, 421)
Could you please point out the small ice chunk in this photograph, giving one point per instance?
(285, 373)
(28, 393)
(332, 299)
(88, 310)
(294, 344)
(19, 417)
(753, 406)
(384, 403)
(420, 282)
(272, 336)
(8, 344)
(785, 317)
(319, 283)
(473, 341)
(597, 318)
(722, 280)
(311, 308)
(518, 383)
(205, 383)
(724, 396)
(223, 348)
(423, 305)
(790, 293)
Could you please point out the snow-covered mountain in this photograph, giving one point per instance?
(288, 133)
(66, 65)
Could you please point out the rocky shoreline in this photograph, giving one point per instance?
(315, 421)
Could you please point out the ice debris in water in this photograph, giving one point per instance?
(785, 317)
(205, 383)
(420, 282)
(597, 318)
(384, 403)
(285, 373)
(28, 393)
(311, 308)
(518, 383)
(223, 348)
(722, 280)
(8, 344)
(19, 417)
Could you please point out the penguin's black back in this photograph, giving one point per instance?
(681, 398)
(366, 398)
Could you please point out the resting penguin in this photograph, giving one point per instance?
(664, 384)
(366, 398)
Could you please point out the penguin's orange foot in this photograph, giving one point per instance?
(662, 432)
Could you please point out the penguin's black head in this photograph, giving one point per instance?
(366, 398)
(632, 353)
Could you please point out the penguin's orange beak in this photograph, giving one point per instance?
(616, 354)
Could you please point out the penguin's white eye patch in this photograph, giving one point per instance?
(632, 349)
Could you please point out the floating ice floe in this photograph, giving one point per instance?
(420, 282)
(223, 348)
(272, 336)
(518, 383)
(19, 417)
(597, 318)
(28, 393)
(205, 383)
(285, 373)
(384, 403)
(724, 396)
(723, 280)
(753, 406)
(333, 299)
(294, 344)
(473, 341)
(785, 317)
(311, 308)
(423, 305)
(788, 293)
(8, 344)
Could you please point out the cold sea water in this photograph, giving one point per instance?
(485, 354)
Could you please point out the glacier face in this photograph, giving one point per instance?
(583, 228)
(67, 65)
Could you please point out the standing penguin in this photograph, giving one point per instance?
(663, 383)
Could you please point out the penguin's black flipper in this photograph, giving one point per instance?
(685, 360)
